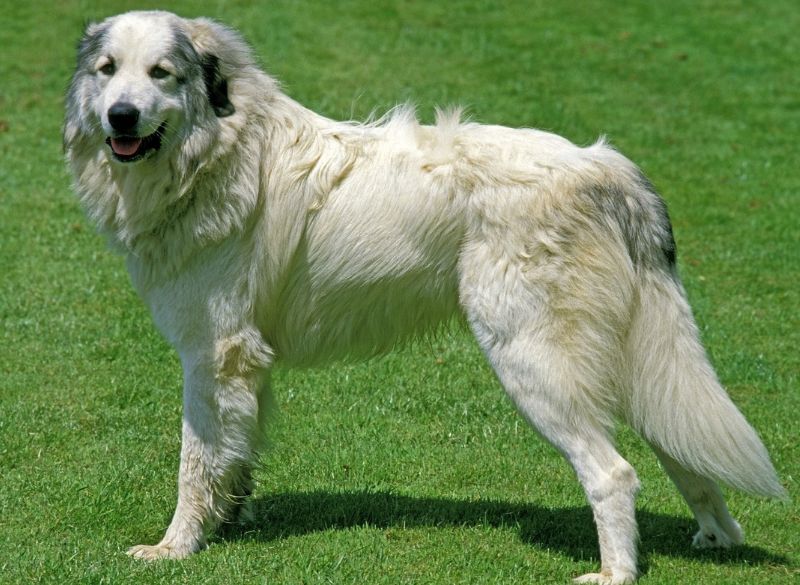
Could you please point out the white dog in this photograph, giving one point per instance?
(256, 230)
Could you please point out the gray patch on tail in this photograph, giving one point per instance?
(667, 238)
(640, 215)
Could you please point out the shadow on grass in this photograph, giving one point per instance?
(568, 530)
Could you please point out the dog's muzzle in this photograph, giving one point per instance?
(126, 144)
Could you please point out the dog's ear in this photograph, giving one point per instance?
(222, 53)
(216, 86)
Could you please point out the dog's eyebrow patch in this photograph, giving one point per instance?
(174, 66)
(102, 61)
(166, 65)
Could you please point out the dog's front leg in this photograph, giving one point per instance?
(222, 393)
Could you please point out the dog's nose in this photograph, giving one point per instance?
(123, 116)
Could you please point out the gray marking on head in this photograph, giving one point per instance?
(91, 44)
(187, 59)
(90, 47)
(184, 56)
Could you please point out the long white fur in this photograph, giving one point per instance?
(275, 233)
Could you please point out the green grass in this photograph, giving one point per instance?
(413, 468)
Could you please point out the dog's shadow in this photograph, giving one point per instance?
(568, 530)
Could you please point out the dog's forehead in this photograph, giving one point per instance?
(141, 37)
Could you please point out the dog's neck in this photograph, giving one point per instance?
(140, 207)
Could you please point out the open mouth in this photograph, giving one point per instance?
(133, 148)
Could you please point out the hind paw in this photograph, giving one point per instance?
(714, 536)
(709, 539)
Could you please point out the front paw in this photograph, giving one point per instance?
(607, 577)
(161, 550)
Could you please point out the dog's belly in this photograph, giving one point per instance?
(365, 279)
(360, 319)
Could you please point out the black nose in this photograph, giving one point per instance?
(123, 116)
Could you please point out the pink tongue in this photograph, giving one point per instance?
(125, 146)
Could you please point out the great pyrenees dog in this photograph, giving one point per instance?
(256, 230)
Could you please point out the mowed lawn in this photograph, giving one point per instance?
(413, 468)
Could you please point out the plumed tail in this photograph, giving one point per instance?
(676, 401)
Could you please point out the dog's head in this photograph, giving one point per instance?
(146, 80)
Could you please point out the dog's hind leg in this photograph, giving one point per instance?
(717, 528)
(541, 390)
(558, 366)
(221, 434)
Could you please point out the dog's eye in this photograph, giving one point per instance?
(108, 69)
(159, 72)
